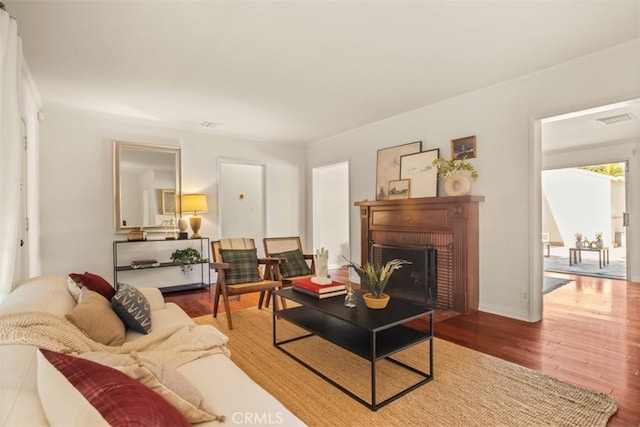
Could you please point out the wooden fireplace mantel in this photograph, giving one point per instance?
(415, 222)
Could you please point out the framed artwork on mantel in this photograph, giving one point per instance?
(388, 166)
(399, 189)
(419, 170)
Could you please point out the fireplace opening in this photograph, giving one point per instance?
(416, 282)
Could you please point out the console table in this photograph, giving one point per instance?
(575, 255)
(166, 275)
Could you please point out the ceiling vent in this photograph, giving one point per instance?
(208, 124)
(617, 119)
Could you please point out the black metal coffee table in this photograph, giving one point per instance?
(371, 334)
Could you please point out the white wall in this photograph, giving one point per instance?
(76, 174)
(580, 202)
(331, 212)
(502, 117)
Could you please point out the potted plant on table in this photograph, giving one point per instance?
(452, 172)
(375, 277)
(579, 240)
(599, 244)
(186, 258)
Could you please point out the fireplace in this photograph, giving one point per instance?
(416, 282)
(449, 225)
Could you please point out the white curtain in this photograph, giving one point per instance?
(10, 146)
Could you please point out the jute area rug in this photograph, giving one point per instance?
(469, 388)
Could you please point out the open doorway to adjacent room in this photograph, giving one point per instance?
(583, 221)
(586, 159)
(331, 211)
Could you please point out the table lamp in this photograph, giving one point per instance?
(194, 203)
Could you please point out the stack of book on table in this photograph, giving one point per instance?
(309, 287)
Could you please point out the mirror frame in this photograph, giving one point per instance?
(118, 146)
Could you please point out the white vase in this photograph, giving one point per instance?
(458, 185)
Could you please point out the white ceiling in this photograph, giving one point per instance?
(298, 71)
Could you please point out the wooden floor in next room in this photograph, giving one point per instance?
(589, 335)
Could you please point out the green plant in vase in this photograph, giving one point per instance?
(448, 168)
(374, 277)
(186, 258)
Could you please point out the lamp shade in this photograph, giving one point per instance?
(194, 203)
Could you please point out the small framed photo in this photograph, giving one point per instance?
(168, 202)
(463, 148)
(399, 189)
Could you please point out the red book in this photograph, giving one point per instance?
(319, 289)
(322, 295)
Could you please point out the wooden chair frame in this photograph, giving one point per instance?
(282, 244)
(268, 270)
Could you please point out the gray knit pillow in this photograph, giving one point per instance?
(132, 307)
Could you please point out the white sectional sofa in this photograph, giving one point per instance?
(224, 387)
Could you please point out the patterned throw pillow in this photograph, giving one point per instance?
(133, 308)
(75, 391)
(244, 265)
(295, 265)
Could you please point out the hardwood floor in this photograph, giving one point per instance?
(589, 335)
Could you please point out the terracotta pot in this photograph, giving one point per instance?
(375, 303)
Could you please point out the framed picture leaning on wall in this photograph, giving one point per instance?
(388, 166)
(399, 189)
(463, 148)
(418, 169)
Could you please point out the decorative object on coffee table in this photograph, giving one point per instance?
(375, 277)
(321, 261)
(350, 299)
(579, 240)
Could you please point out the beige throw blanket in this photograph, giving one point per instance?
(171, 347)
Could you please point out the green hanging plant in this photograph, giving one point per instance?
(187, 257)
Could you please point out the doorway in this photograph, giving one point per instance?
(330, 221)
(241, 201)
(585, 207)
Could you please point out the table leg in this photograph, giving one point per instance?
(600, 258)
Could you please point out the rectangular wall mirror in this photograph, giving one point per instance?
(146, 186)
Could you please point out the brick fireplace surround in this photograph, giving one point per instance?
(450, 223)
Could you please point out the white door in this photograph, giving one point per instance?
(241, 201)
(331, 211)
